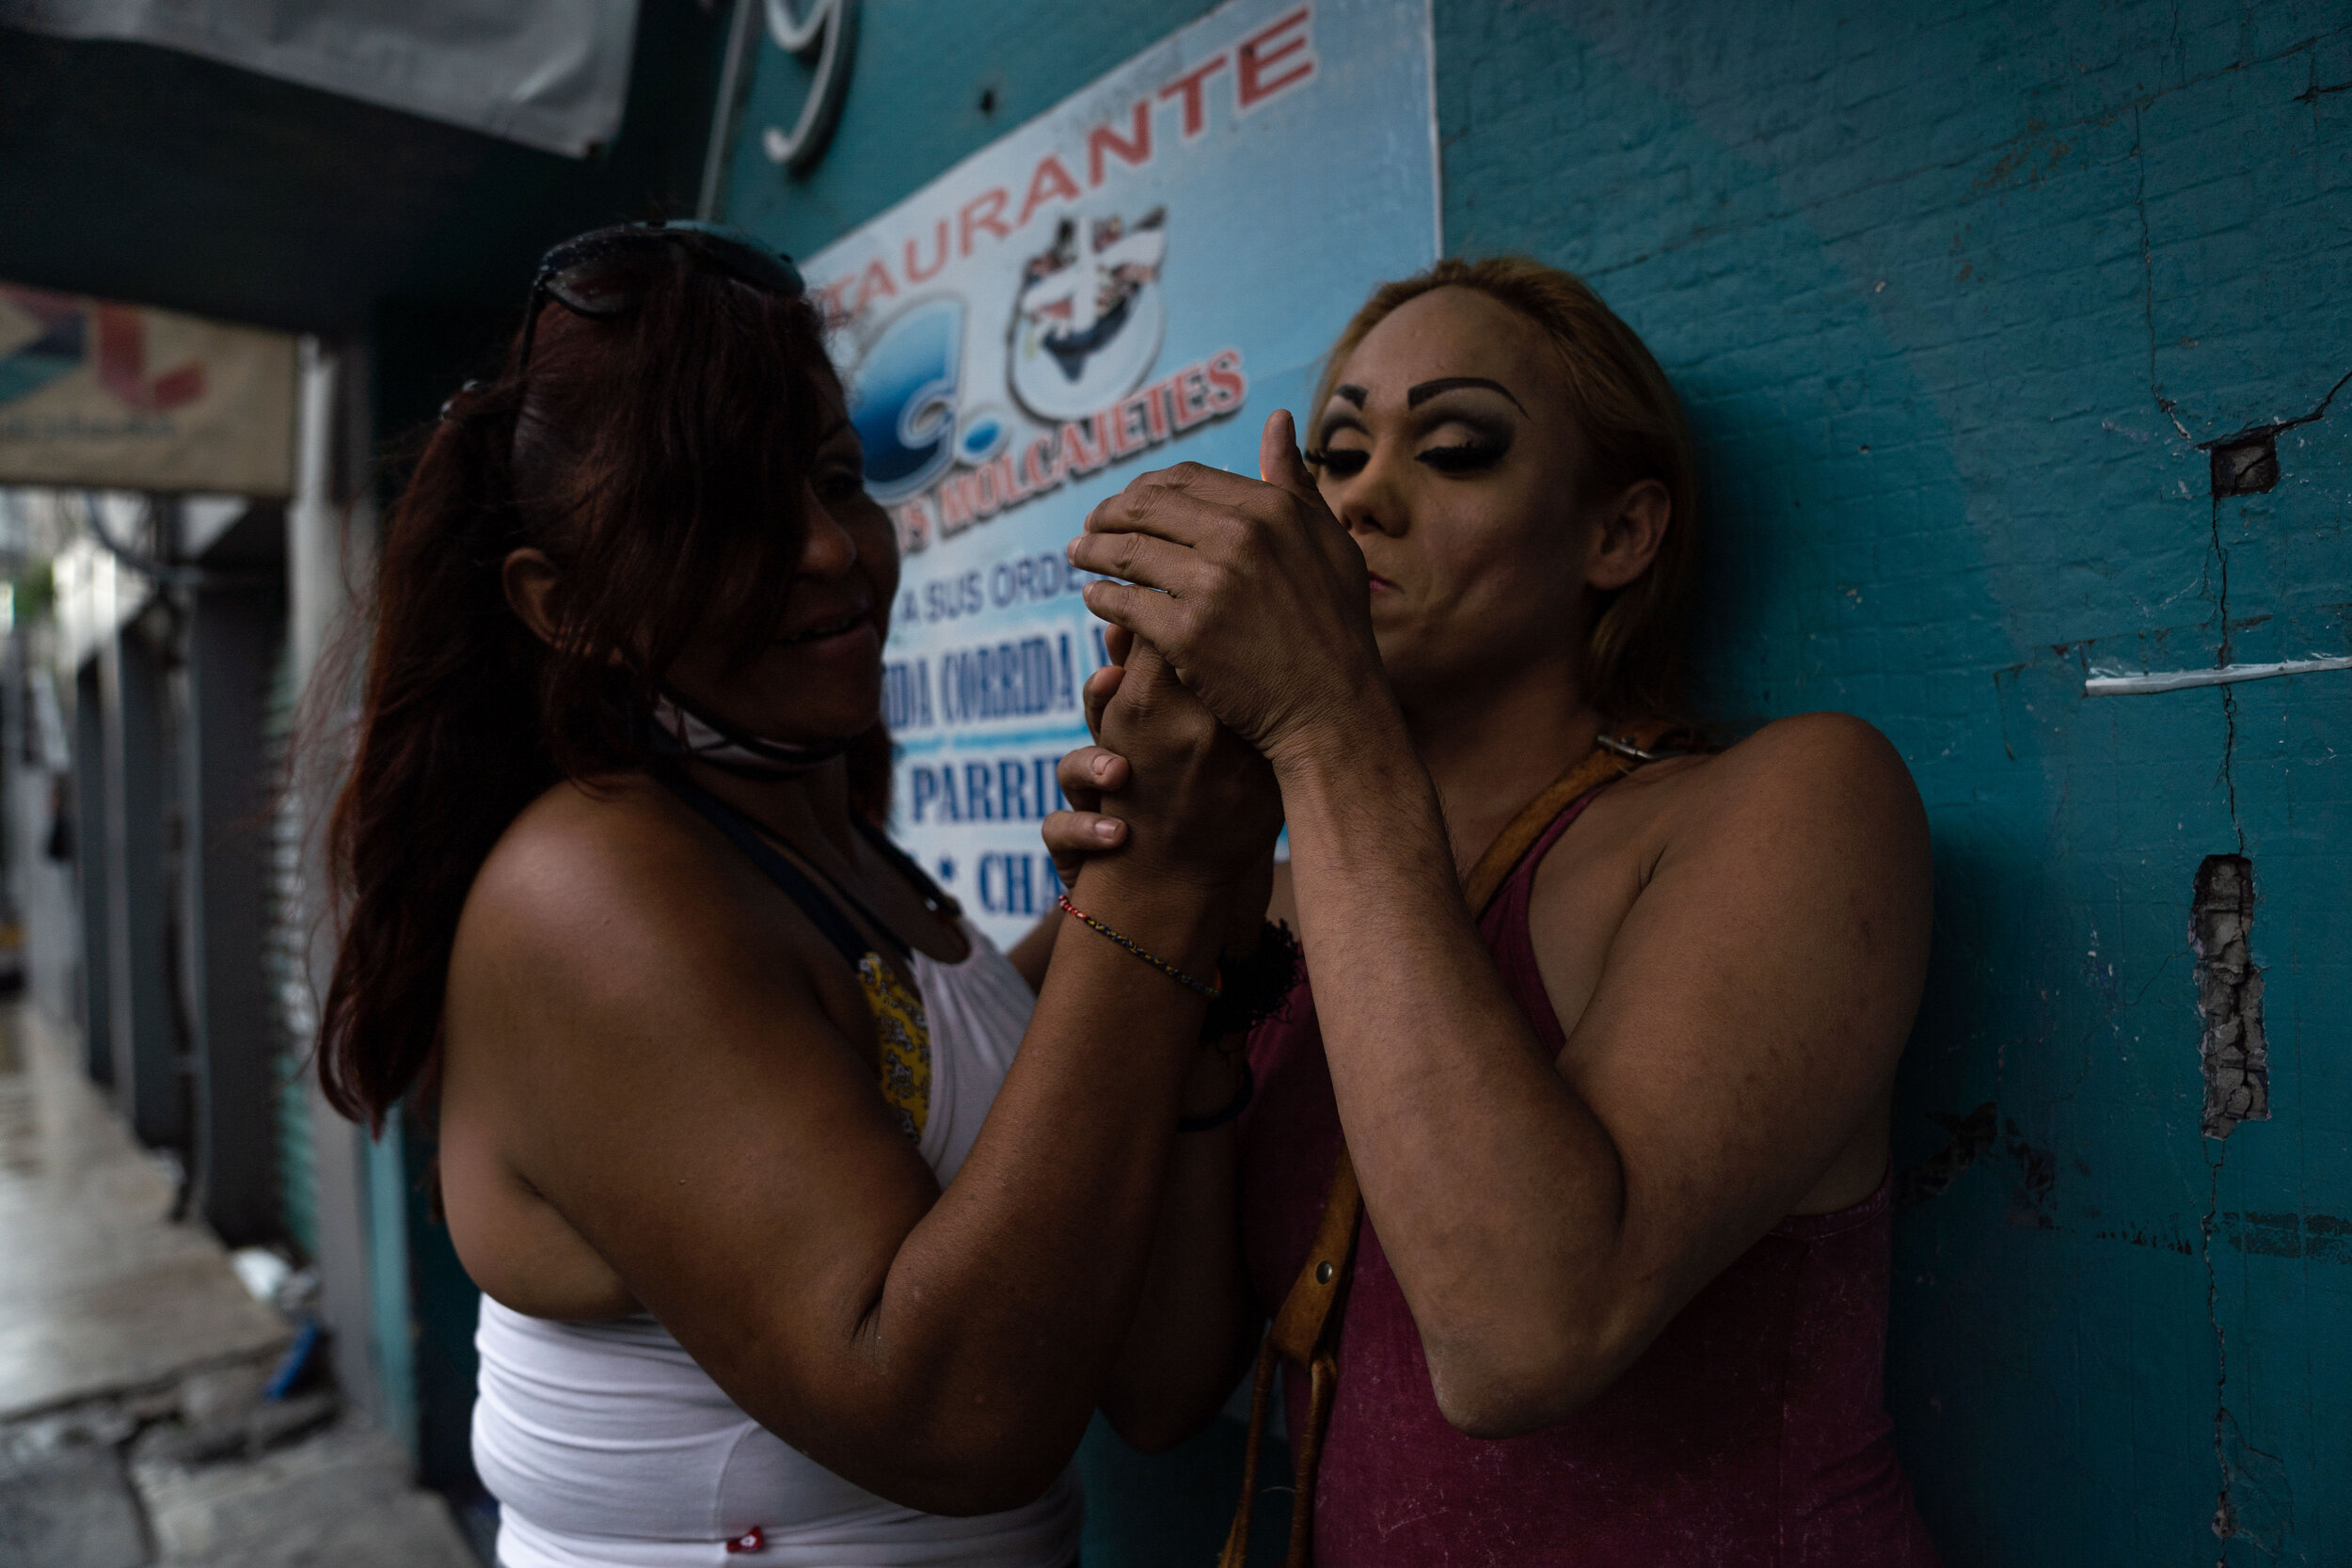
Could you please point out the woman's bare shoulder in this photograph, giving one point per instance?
(1831, 771)
(595, 883)
(611, 824)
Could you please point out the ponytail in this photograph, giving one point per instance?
(450, 753)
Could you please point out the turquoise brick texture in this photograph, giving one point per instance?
(1958, 298)
(1953, 294)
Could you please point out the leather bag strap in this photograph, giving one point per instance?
(1307, 1329)
(1511, 845)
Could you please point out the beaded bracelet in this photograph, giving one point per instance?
(1212, 992)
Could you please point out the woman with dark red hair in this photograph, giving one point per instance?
(806, 1222)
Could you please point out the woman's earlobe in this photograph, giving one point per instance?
(528, 579)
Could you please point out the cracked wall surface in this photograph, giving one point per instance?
(2229, 996)
(2011, 336)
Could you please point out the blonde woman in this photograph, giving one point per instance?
(1614, 1289)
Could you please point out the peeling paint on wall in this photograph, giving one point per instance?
(2229, 996)
(1972, 1134)
(2318, 1237)
(2030, 1202)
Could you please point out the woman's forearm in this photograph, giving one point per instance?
(1497, 1192)
(988, 1339)
(1035, 950)
(1193, 1327)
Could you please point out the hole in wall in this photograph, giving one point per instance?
(2236, 1055)
(988, 101)
(2247, 467)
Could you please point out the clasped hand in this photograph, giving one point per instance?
(1190, 800)
(1253, 592)
(1258, 636)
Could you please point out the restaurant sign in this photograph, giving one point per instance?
(1134, 278)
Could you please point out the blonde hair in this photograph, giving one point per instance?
(1632, 429)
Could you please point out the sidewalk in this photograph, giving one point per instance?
(131, 1431)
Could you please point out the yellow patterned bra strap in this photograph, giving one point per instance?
(904, 1034)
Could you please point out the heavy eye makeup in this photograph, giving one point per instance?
(1467, 444)
(1340, 462)
(1463, 444)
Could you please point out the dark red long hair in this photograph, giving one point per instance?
(658, 461)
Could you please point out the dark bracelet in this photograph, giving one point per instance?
(1212, 992)
(1255, 986)
(1227, 1111)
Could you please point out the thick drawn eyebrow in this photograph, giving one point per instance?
(1416, 396)
(1353, 394)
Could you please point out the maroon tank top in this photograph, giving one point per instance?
(1754, 1431)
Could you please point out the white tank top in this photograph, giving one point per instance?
(607, 1447)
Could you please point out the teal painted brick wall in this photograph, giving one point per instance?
(1954, 294)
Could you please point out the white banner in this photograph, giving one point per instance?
(548, 73)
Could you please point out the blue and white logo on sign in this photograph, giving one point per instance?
(1124, 302)
(903, 397)
(1088, 320)
(984, 433)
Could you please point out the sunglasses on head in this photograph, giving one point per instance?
(603, 273)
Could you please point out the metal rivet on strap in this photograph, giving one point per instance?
(1323, 1272)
